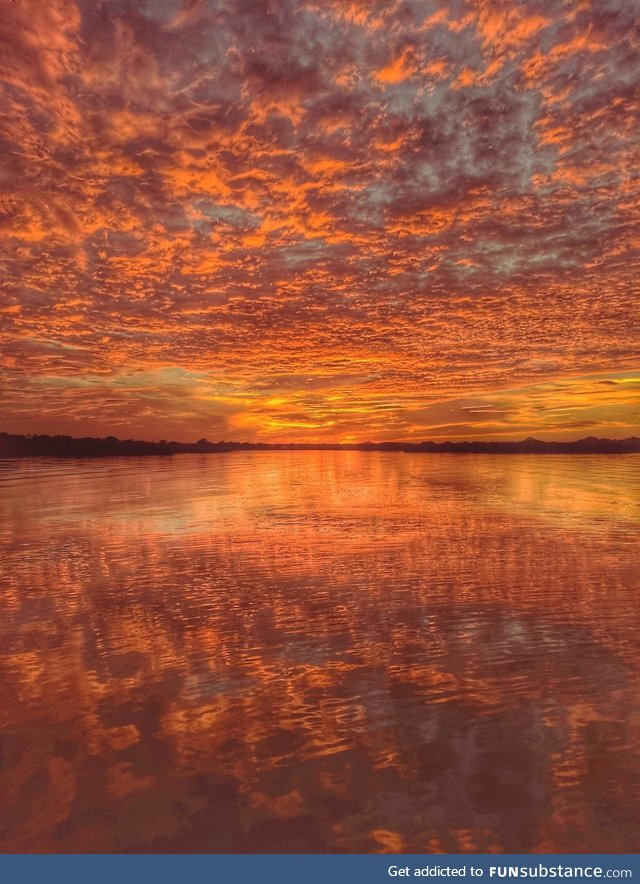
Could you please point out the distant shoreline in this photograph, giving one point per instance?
(20, 446)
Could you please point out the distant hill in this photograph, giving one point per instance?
(66, 446)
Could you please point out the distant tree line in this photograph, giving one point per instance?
(12, 445)
(589, 445)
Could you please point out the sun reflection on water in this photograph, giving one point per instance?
(336, 651)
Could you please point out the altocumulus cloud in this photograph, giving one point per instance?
(324, 220)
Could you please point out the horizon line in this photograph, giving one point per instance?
(292, 444)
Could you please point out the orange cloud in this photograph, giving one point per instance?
(280, 225)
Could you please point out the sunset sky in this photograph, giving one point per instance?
(332, 220)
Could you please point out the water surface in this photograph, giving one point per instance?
(320, 651)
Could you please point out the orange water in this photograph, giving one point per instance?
(320, 651)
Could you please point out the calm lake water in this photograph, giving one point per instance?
(320, 651)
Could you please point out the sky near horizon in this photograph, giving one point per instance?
(334, 221)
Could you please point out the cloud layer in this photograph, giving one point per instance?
(330, 220)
